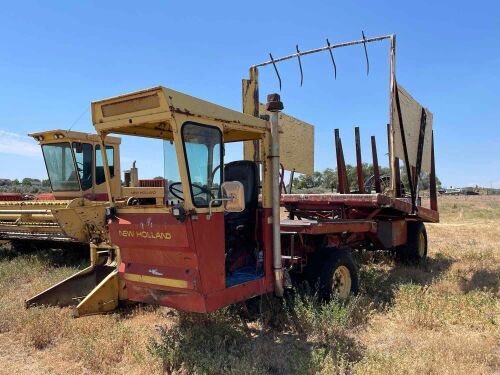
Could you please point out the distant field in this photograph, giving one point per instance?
(440, 318)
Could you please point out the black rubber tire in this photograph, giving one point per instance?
(337, 259)
(411, 252)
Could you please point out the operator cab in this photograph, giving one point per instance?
(204, 154)
(74, 163)
(206, 241)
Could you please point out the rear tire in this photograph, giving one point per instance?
(339, 276)
(415, 250)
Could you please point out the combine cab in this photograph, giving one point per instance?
(76, 173)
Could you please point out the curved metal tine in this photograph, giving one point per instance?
(366, 53)
(300, 66)
(275, 69)
(333, 60)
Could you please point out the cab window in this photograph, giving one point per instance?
(60, 167)
(99, 166)
(83, 159)
(203, 152)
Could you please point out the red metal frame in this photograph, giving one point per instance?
(182, 264)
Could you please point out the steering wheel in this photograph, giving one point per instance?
(176, 189)
(215, 171)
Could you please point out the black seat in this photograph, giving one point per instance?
(246, 172)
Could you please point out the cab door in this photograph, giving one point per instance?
(202, 147)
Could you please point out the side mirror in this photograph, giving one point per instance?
(233, 194)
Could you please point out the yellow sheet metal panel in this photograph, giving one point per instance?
(82, 219)
(131, 105)
(151, 113)
(296, 143)
(103, 298)
(59, 135)
(174, 283)
(411, 112)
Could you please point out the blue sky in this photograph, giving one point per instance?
(56, 57)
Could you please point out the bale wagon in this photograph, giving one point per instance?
(216, 237)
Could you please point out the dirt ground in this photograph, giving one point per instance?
(442, 317)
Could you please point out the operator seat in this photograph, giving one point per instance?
(246, 172)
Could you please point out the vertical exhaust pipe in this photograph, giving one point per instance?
(274, 105)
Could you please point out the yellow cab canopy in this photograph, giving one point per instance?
(158, 111)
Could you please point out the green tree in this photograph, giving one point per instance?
(308, 181)
(328, 179)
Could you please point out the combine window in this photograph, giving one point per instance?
(99, 167)
(203, 152)
(60, 167)
(83, 158)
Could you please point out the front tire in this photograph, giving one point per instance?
(339, 276)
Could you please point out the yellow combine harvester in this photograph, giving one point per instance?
(74, 212)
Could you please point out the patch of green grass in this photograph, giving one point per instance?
(315, 338)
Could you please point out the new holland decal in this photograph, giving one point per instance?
(145, 234)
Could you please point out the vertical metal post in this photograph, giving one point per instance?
(414, 179)
(340, 183)
(397, 173)
(274, 105)
(107, 175)
(376, 171)
(395, 185)
(341, 170)
(389, 145)
(344, 169)
(432, 179)
(394, 166)
(250, 96)
(359, 163)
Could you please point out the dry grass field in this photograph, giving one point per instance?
(440, 318)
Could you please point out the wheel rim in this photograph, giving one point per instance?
(341, 285)
(421, 245)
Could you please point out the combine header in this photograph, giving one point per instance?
(215, 237)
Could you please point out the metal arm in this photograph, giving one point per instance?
(326, 48)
